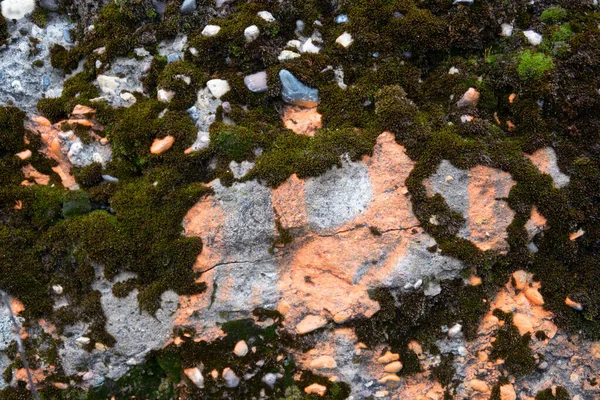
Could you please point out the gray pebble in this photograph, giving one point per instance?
(188, 7)
(295, 92)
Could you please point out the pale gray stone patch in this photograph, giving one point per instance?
(338, 196)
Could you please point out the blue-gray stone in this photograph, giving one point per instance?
(67, 36)
(159, 7)
(173, 57)
(341, 19)
(188, 7)
(46, 82)
(295, 92)
(376, 54)
(50, 5)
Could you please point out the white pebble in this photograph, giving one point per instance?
(57, 289)
(218, 87)
(251, 33)
(453, 70)
(267, 16)
(165, 96)
(454, 331)
(507, 29)
(345, 39)
(240, 349)
(310, 47)
(210, 30)
(533, 37)
(287, 55)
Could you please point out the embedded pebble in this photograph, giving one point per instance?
(454, 331)
(195, 376)
(161, 145)
(315, 388)
(270, 379)
(231, 379)
(17, 9)
(479, 385)
(310, 323)
(241, 349)
(295, 92)
(309, 47)
(251, 33)
(57, 289)
(388, 357)
(345, 40)
(534, 296)
(210, 30)
(165, 96)
(533, 37)
(389, 378)
(469, 98)
(393, 367)
(287, 55)
(24, 155)
(218, 87)
(188, 7)
(326, 362)
(341, 19)
(257, 82)
(574, 304)
(507, 29)
(267, 16)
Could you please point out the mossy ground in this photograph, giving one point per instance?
(397, 77)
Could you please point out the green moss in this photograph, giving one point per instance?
(62, 59)
(3, 29)
(445, 371)
(11, 130)
(40, 17)
(553, 15)
(533, 65)
(561, 394)
(173, 77)
(513, 349)
(89, 176)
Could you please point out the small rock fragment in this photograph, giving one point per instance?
(326, 362)
(210, 30)
(267, 16)
(165, 96)
(507, 392)
(454, 331)
(241, 348)
(195, 376)
(270, 379)
(507, 29)
(574, 304)
(315, 388)
(345, 40)
(393, 367)
(188, 7)
(341, 19)
(60, 385)
(479, 385)
(310, 323)
(520, 279)
(310, 47)
(57, 289)
(470, 98)
(576, 235)
(100, 346)
(17, 9)
(82, 340)
(389, 378)
(251, 33)
(218, 87)
(534, 296)
(162, 145)
(388, 357)
(25, 154)
(475, 280)
(287, 55)
(257, 82)
(295, 92)
(533, 37)
(231, 379)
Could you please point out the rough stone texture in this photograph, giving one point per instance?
(203, 114)
(336, 250)
(136, 333)
(476, 194)
(67, 149)
(20, 82)
(545, 160)
(303, 121)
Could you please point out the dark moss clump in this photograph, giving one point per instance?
(89, 176)
(513, 349)
(553, 15)
(62, 59)
(418, 317)
(184, 78)
(3, 29)
(445, 371)
(561, 394)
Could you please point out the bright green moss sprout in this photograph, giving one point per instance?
(553, 15)
(534, 65)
